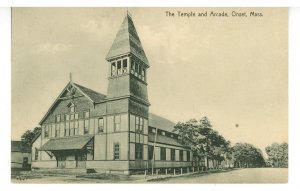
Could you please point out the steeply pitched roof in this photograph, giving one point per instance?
(93, 95)
(67, 143)
(17, 146)
(127, 41)
(160, 123)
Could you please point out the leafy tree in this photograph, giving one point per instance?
(247, 155)
(29, 135)
(202, 139)
(277, 154)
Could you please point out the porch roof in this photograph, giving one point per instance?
(164, 140)
(66, 143)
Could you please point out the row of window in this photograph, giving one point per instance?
(71, 128)
(120, 67)
(163, 154)
(138, 70)
(70, 116)
(139, 153)
(164, 133)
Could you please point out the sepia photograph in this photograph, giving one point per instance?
(149, 95)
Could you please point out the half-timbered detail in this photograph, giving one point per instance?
(85, 129)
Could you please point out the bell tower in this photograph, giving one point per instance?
(127, 96)
(128, 66)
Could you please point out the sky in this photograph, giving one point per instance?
(233, 70)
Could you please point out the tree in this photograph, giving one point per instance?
(203, 140)
(277, 154)
(247, 155)
(29, 135)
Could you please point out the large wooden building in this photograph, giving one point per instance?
(114, 132)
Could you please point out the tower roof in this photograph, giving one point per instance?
(127, 41)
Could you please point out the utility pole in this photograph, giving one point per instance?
(153, 156)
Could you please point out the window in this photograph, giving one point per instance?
(124, 66)
(57, 118)
(86, 127)
(119, 67)
(57, 130)
(150, 152)
(36, 154)
(116, 151)
(67, 117)
(143, 74)
(67, 129)
(162, 153)
(163, 133)
(72, 129)
(140, 72)
(100, 125)
(76, 124)
(117, 123)
(132, 66)
(76, 115)
(138, 151)
(181, 155)
(72, 117)
(139, 124)
(113, 69)
(172, 154)
(86, 114)
(136, 69)
(46, 133)
(153, 130)
(188, 156)
(72, 108)
(171, 135)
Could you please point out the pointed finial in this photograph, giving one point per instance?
(71, 80)
(127, 12)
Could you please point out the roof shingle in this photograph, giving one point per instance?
(160, 123)
(95, 96)
(127, 41)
